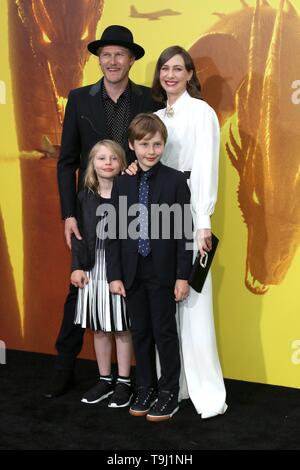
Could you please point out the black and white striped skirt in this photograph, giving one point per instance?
(97, 308)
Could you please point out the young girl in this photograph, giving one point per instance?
(97, 308)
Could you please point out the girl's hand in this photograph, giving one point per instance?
(181, 290)
(203, 237)
(132, 169)
(117, 287)
(79, 278)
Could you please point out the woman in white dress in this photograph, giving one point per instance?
(193, 146)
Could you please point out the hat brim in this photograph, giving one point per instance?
(137, 50)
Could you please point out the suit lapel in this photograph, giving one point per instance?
(136, 100)
(94, 206)
(132, 199)
(98, 121)
(158, 183)
(97, 112)
(132, 185)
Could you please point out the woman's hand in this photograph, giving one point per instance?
(132, 169)
(79, 278)
(181, 290)
(204, 242)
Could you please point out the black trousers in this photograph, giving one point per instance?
(70, 338)
(152, 310)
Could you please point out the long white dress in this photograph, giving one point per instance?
(193, 145)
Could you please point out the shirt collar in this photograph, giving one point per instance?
(106, 96)
(150, 172)
(178, 103)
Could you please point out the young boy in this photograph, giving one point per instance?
(152, 268)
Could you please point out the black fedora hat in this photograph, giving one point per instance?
(119, 36)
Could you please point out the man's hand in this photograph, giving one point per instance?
(204, 242)
(117, 287)
(71, 227)
(79, 278)
(132, 169)
(181, 290)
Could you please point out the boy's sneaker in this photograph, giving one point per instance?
(99, 392)
(145, 398)
(165, 407)
(121, 397)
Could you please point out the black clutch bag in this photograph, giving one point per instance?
(202, 265)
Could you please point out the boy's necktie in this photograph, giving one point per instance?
(144, 247)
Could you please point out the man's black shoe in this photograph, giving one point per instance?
(61, 382)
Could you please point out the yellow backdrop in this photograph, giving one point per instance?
(258, 333)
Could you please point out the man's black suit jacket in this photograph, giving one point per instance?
(84, 125)
(171, 258)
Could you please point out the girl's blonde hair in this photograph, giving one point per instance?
(90, 180)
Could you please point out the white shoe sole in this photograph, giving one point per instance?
(114, 405)
(150, 417)
(84, 400)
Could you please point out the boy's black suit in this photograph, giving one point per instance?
(170, 257)
(150, 281)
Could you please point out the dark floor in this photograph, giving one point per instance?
(259, 416)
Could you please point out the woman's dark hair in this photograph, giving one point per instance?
(193, 85)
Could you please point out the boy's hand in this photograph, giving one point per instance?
(71, 227)
(117, 287)
(204, 242)
(79, 278)
(181, 290)
(132, 169)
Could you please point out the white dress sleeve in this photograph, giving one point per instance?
(205, 168)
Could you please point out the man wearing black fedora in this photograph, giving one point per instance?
(103, 110)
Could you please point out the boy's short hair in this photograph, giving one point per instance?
(146, 124)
